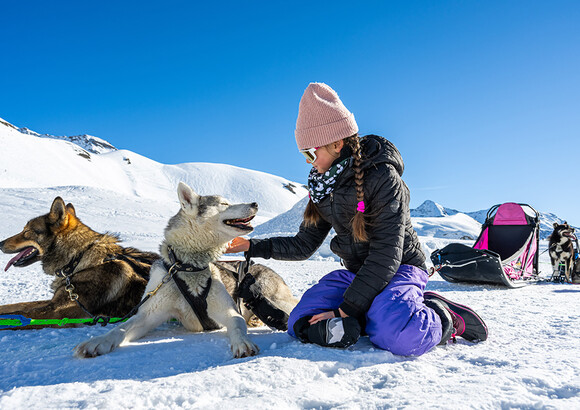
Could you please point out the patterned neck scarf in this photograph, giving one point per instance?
(321, 185)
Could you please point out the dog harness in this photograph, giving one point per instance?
(68, 271)
(198, 303)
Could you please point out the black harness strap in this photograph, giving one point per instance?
(198, 303)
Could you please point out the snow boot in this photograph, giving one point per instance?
(440, 308)
(335, 332)
(264, 309)
(466, 323)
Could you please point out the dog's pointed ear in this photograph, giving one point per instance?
(187, 197)
(57, 211)
(556, 225)
(71, 209)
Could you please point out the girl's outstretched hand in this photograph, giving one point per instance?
(238, 244)
(325, 315)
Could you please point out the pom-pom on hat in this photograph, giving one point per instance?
(322, 118)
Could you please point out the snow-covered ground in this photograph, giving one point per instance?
(530, 360)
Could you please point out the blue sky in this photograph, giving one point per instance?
(481, 97)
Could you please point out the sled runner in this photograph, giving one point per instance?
(506, 252)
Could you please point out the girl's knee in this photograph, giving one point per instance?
(406, 335)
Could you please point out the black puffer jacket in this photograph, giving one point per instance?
(392, 239)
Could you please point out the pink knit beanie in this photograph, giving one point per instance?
(322, 118)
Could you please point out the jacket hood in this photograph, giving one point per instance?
(377, 150)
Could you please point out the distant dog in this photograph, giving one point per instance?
(562, 249)
(108, 279)
(194, 239)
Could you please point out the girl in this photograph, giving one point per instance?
(356, 188)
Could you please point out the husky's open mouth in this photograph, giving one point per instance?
(25, 257)
(569, 234)
(241, 224)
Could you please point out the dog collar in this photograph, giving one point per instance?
(179, 266)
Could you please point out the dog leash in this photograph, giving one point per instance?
(16, 321)
(243, 268)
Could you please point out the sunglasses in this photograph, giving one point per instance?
(309, 154)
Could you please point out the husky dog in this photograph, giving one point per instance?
(562, 249)
(195, 237)
(108, 279)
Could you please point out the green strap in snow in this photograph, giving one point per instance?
(16, 321)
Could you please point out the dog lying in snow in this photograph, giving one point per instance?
(194, 239)
(108, 279)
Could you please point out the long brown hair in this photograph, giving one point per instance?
(311, 213)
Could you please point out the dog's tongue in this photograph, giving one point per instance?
(14, 259)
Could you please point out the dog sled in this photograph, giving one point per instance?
(505, 253)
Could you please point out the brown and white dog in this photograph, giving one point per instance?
(108, 279)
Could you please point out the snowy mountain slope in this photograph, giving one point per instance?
(432, 209)
(285, 224)
(30, 161)
(87, 142)
(458, 226)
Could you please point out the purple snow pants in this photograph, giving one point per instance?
(397, 320)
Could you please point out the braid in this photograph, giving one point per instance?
(311, 214)
(358, 222)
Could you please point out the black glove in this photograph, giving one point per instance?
(335, 332)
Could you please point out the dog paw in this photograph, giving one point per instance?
(244, 348)
(93, 347)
